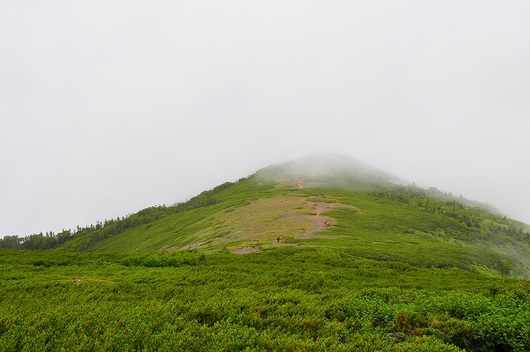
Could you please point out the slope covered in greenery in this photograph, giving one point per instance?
(383, 221)
(287, 299)
(363, 263)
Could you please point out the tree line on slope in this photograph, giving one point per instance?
(479, 221)
(112, 227)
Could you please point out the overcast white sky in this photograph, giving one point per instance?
(108, 107)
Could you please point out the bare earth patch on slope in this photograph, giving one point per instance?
(257, 225)
(260, 222)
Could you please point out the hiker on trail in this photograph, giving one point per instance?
(279, 239)
(301, 184)
(326, 223)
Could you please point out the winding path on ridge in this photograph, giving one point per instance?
(318, 219)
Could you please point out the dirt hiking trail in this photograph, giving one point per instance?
(319, 219)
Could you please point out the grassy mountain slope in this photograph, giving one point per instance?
(397, 269)
(369, 217)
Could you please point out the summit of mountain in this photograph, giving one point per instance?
(329, 170)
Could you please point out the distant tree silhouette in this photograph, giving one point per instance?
(112, 227)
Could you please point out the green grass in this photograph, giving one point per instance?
(281, 299)
(395, 271)
(321, 200)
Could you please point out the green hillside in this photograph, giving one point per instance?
(365, 262)
(369, 217)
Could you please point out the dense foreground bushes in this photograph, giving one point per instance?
(284, 299)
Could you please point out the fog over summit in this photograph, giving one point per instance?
(345, 172)
(324, 167)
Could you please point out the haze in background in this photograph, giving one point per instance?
(110, 107)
